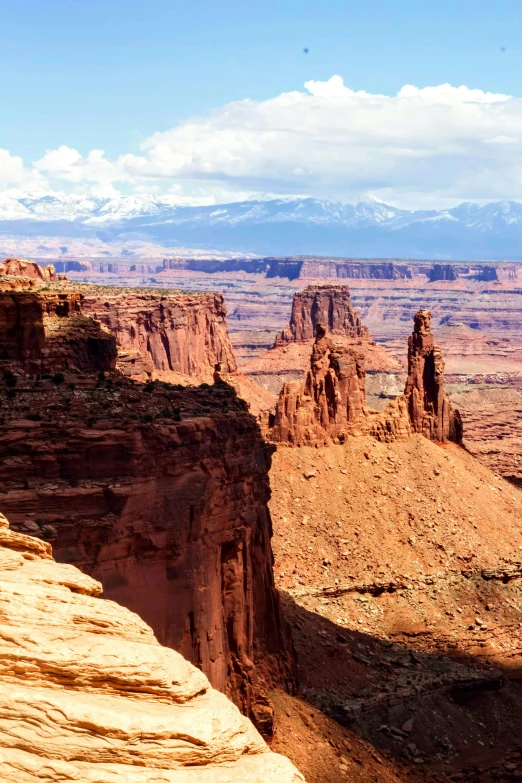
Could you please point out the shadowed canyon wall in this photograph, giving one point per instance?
(159, 492)
(48, 331)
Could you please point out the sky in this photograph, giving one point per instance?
(417, 103)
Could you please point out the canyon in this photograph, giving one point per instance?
(379, 639)
(158, 490)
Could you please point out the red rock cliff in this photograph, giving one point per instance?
(329, 305)
(43, 331)
(170, 516)
(19, 267)
(172, 333)
(161, 493)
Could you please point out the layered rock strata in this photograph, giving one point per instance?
(289, 358)
(158, 491)
(162, 495)
(46, 331)
(20, 267)
(331, 403)
(165, 333)
(329, 305)
(87, 693)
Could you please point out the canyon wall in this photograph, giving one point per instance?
(71, 711)
(49, 332)
(169, 332)
(301, 268)
(158, 491)
(329, 305)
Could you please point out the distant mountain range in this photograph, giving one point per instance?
(300, 226)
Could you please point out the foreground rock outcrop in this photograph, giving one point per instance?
(88, 694)
(330, 404)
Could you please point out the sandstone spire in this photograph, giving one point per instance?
(330, 402)
(429, 407)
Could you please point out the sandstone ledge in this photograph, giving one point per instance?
(88, 694)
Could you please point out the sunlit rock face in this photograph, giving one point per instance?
(87, 692)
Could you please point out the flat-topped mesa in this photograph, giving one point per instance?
(429, 407)
(20, 267)
(330, 403)
(330, 305)
(88, 694)
(161, 334)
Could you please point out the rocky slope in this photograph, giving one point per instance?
(87, 693)
(401, 568)
(159, 491)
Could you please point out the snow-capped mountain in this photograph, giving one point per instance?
(285, 226)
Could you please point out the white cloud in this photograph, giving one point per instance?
(431, 145)
(13, 173)
(67, 165)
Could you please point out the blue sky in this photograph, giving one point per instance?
(108, 75)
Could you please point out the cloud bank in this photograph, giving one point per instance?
(427, 146)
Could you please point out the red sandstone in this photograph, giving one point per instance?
(158, 491)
